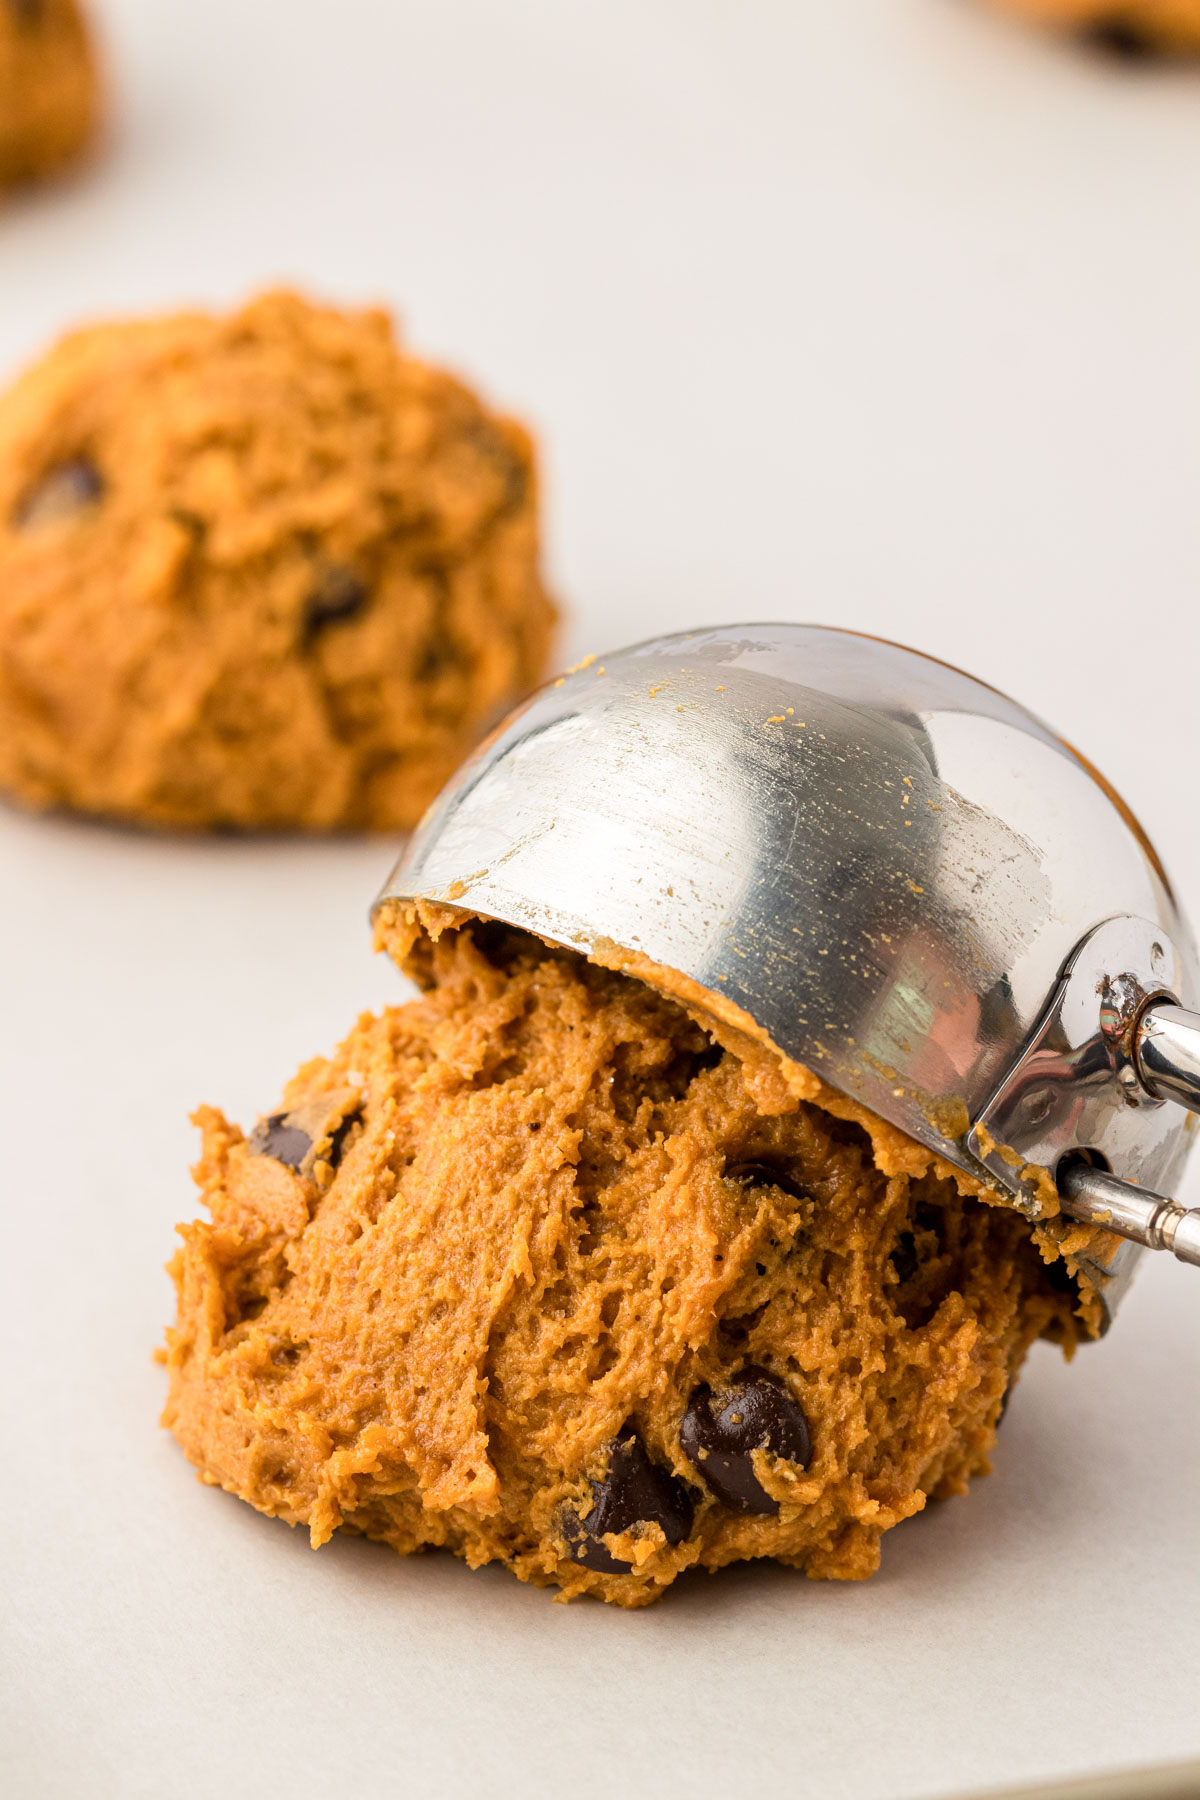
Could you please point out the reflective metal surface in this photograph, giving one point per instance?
(887, 864)
(1142, 1217)
(1167, 1054)
(1075, 1084)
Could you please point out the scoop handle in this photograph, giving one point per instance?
(1095, 1198)
(1166, 1053)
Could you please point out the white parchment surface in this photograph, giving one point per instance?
(879, 312)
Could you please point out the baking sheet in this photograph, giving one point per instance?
(882, 314)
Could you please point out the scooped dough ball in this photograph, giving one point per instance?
(1129, 28)
(49, 87)
(262, 571)
(550, 1269)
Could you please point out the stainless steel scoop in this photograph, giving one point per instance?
(905, 879)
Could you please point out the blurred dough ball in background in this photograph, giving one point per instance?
(49, 87)
(258, 571)
(1131, 28)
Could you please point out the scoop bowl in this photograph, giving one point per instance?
(908, 882)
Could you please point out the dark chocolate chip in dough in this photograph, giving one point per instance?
(437, 655)
(756, 1175)
(277, 1137)
(339, 594)
(66, 488)
(1119, 37)
(1061, 1279)
(689, 1064)
(634, 1491)
(480, 435)
(927, 1217)
(904, 1257)
(337, 1139)
(722, 1429)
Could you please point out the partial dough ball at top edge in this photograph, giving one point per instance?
(50, 87)
(1130, 30)
(258, 571)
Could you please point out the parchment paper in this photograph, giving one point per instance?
(883, 314)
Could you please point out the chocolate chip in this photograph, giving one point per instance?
(721, 1431)
(1061, 1278)
(689, 1063)
(276, 1137)
(337, 1140)
(65, 489)
(1119, 37)
(430, 662)
(904, 1257)
(757, 1175)
(502, 945)
(482, 436)
(339, 594)
(635, 1491)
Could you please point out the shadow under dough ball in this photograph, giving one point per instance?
(1133, 31)
(549, 1268)
(258, 571)
(50, 87)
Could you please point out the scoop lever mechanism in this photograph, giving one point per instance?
(1095, 1198)
(1093, 1095)
(1166, 1053)
(1166, 1059)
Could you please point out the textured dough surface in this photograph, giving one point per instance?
(520, 1229)
(1129, 27)
(49, 87)
(261, 571)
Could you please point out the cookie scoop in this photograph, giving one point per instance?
(893, 874)
(787, 1001)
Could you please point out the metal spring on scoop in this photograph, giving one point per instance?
(1166, 1061)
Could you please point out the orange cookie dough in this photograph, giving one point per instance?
(49, 87)
(1131, 28)
(549, 1269)
(263, 570)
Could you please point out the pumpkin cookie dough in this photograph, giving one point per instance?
(546, 1268)
(1128, 28)
(260, 571)
(49, 87)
